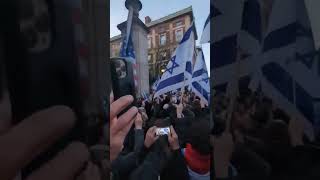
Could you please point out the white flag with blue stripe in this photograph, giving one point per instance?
(286, 68)
(205, 37)
(200, 79)
(179, 69)
(282, 62)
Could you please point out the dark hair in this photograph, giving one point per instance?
(261, 115)
(245, 92)
(162, 122)
(199, 136)
(267, 101)
(276, 133)
(219, 125)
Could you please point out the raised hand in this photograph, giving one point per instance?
(173, 139)
(120, 126)
(151, 137)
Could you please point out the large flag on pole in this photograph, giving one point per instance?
(127, 49)
(200, 79)
(179, 68)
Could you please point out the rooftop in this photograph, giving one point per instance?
(164, 19)
(170, 16)
(115, 37)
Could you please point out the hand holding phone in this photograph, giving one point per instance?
(173, 139)
(151, 137)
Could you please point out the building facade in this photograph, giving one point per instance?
(164, 36)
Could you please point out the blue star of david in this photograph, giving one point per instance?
(174, 65)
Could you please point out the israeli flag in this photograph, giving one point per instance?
(288, 67)
(127, 49)
(179, 69)
(200, 80)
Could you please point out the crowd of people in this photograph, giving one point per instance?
(254, 139)
(141, 153)
(263, 141)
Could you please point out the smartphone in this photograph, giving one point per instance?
(163, 131)
(122, 78)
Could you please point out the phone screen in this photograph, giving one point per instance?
(163, 131)
(122, 78)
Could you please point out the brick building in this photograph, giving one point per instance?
(164, 35)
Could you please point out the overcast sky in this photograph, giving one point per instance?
(159, 8)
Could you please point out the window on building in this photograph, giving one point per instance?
(179, 23)
(149, 42)
(161, 29)
(179, 35)
(163, 39)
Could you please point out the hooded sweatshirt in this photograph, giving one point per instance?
(198, 164)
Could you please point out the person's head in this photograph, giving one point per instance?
(197, 106)
(261, 116)
(199, 136)
(276, 133)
